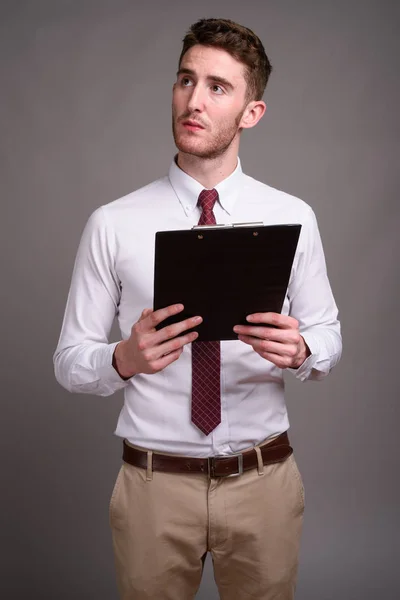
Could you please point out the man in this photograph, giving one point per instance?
(172, 501)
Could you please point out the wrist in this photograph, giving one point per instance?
(121, 361)
(303, 354)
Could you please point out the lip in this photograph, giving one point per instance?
(192, 125)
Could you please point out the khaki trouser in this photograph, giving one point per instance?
(163, 524)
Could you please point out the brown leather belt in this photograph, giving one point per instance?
(215, 466)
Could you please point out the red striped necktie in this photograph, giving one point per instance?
(206, 356)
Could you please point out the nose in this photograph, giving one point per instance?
(196, 99)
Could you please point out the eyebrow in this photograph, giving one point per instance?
(215, 78)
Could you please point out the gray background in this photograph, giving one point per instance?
(85, 118)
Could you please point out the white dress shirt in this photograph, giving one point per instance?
(113, 276)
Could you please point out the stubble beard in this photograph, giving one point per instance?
(215, 147)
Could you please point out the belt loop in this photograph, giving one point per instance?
(149, 473)
(260, 463)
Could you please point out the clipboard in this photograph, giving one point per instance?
(223, 273)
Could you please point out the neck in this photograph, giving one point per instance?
(209, 171)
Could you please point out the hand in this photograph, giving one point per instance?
(283, 346)
(148, 350)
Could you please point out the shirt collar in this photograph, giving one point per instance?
(188, 189)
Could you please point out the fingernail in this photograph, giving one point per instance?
(250, 318)
(236, 329)
(179, 306)
(197, 319)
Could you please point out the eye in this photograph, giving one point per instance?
(185, 81)
(217, 89)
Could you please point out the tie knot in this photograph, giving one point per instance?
(207, 199)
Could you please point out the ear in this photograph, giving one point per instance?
(252, 114)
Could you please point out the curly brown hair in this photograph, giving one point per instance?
(240, 42)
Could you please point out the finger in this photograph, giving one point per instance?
(157, 316)
(247, 339)
(282, 362)
(179, 342)
(171, 331)
(257, 344)
(145, 313)
(153, 339)
(275, 319)
(153, 353)
(154, 317)
(167, 359)
(284, 336)
(265, 346)
(282, 359)
(282, 350)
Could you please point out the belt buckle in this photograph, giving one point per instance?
(211, 464)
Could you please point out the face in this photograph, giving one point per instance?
(209, 99)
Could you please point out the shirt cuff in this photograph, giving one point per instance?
(109, 376)
(97, 375)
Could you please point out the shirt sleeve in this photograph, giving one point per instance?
(313, 305)
(83, 357)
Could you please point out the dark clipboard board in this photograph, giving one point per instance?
(223, 273)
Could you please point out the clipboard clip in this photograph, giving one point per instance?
(229, 225)
(215, 226)
(254, 224)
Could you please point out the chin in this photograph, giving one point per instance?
(190, 147)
